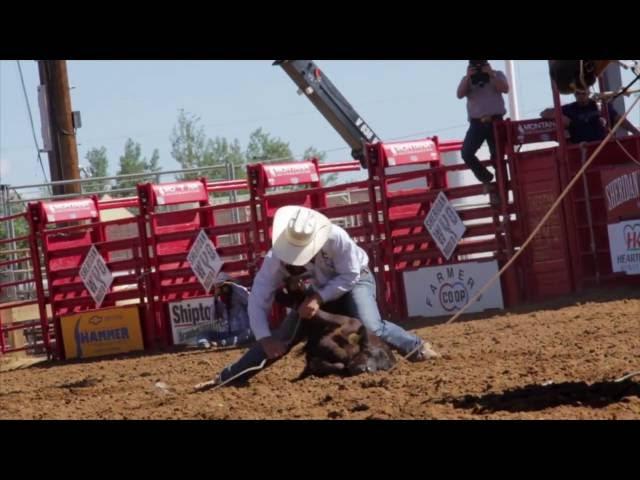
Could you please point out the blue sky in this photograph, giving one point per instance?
(141, 99)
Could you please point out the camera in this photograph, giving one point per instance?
(479, 77)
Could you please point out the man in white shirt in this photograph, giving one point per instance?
(306, 239)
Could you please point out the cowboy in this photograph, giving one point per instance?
(305, 239)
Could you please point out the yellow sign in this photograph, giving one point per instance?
(102, 332)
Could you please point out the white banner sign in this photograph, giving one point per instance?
(95, 275)
(444, 225)
(205, 261)
(193, 319)
(436, 291)
(624, 245)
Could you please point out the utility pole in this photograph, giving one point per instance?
(63, 150)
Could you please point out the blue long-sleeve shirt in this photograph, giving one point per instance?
(335, 270)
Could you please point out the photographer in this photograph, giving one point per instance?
(483, 88)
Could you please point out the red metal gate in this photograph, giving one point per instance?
(66, 230)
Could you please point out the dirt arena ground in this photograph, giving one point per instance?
(552, 361)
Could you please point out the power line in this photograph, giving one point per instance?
(297, 113)
(280, 116)
(33, 128)
(425, 133)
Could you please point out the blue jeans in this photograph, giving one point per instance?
(477, 134)
(361, 303)
(358, 303)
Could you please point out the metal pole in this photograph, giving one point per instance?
(14, 256)
(514, 111)
(231, 175)
(587, 205)
(3, 203)
(611, 81)
(563, 156)
(10, 232)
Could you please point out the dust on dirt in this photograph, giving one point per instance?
(553, 361)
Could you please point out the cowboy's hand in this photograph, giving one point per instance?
(309, 307)
(273, 347)
(471, 70)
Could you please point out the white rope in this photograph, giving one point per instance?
(582, 80)
(604, 96)
(213, 385)
(540, 224)
(549, 213)
(627, 377)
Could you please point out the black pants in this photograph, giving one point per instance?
(477, 134)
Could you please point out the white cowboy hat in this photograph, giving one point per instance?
(298, 234)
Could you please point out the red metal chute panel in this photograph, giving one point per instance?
(176, 212)
(401, 173)
(296, 173)
(68, 210)
(67, 229)
(608, 194)
(173, 194)
(547, 258)
(406, 153)
(267, 195)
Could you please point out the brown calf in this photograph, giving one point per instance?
(335, 344)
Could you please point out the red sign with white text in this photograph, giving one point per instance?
(621, 187)
(65, 210)
(404, 153)
(180, 192)
(291, 173)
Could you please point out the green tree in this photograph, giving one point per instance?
(133, 162)
(191, 148)
(313, 152)
(222, 152)
(264, 148)
(188, 143)
(98, 166)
